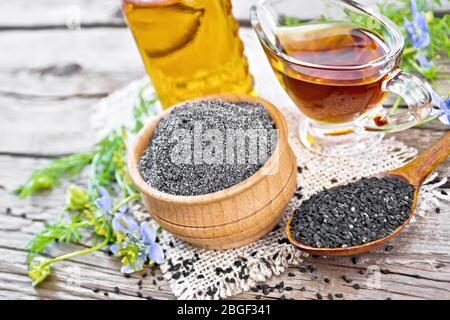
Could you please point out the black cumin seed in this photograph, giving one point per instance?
(154, 282)
(176, 275)
(200, 276)
(139, 283)
(302, 269)
(385, 271)
(127, 275)
(290, 274)
(96, 290)
(326, 280)
(354, 260)
(139, 294)
(258, 297)
(437, 210)
(352, 214)
(444, 192)
(8, 210)
(116, 290)
(303, 289)
(160, 278)
(356, 286)
(254, 289)
(319, 296)
(288, 288)
(144, 275)
(238, 263)
(330, 296)
(106, 294)
(339, 295)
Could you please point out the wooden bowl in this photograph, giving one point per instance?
(227, 218)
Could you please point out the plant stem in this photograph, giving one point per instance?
(125, 201)
(76, 253)
(396, 104)
(428, 120)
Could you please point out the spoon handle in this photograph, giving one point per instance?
(418, 169)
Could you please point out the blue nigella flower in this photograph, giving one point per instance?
(443, 105)
(136, 244)
(424, 62)
(417, 29)
(104, 202)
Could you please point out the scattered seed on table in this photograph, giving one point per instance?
(326, 280)
(144, 275)
(354, 260)
(254, 289)
(127, 275)
(288, 288)
(302, 270)
(334, 180)
(303, 289)
(106, 294)
(139, 283)
(258, 297)
(362, 271)
(176, 275)
(200, 276)
(96, 290)
(116, 290)
(444, 193)
(154, 282)
(385, 271)
(437, 210)
(290, 274)
(310, 268)
(24, 215)
(356, 286)
(339, 295)
(330, 296)
(139, 294)
(319, 296)
(8, 210)
(283, 297)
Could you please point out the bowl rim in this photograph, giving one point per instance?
(147, 131)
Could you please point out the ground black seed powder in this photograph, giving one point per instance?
(353, 214)
(194, 175)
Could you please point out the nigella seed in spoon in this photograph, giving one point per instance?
(353, 214)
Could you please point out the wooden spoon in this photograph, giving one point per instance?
(414, 172)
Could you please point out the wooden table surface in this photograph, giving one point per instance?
(50, 79)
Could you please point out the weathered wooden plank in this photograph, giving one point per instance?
(29, 14)
(57, 127)
(65, 64)
(417, 269)
(72, 280)
(48, 106)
